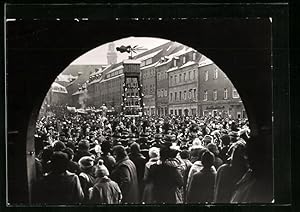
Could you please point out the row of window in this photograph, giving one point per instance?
(115, 73)
(148, 73)
(216, 74)
(162, 75)
(182, 77)
(149, 88)
(225, 94)
(183, 95)
(162, 93)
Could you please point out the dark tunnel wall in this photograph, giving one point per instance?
(37, 51)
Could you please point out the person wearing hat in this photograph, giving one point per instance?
(166, 178)
(139, 161)
(202, 185)
(125, 175)
(229, 174)
(104, 190)
(59, 186)
(83, 150)
(86, 176)
(214, 149)
(225, 144)
(72, 166)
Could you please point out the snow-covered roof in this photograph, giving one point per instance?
(149, 66)
(130, 61)
(77, 92)
(112, 77)
(189, 63)
(205, 62)
(163, 63)
(65, 77)
(148, 55)
(180, 52)
(55, 87)
(172, 69)
(116, 69)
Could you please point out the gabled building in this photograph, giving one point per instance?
(217, 95)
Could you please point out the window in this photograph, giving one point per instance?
(206, 75)
(215, 95)
(175, 79)
(158, 76)
(180, 78)
(171, 97)
(205, 95)
(175, 96)
(175, 62)
(184, 76)
(183, 60)
(235, 94)
(148, 61)
(179, 95)
(184, 95)
(171, 111)
(195, 95)
(225, 93)
(194, 55)
(166, 93)
(190, 77)
(171, 80)
(216, 74)
(194, 74)
(143, 63)
(190, 93)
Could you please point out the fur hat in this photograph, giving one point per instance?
(86, 162)
(101, 169)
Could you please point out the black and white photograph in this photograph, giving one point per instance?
(140, 109)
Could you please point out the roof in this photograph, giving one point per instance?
(189, 63)
(55, 87)
(65, 77)
(172, 69)
(148, 56)
(112, 77)
(149, 66)
(205, 62)
(77, 92)
(130, 61)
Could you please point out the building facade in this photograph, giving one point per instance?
(217, 95)
(183, 83)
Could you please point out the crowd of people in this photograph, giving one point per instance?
(96, 158)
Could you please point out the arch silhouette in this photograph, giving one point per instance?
(241, 48)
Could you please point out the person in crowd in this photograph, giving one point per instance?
(139, 161)
(109, 160)
(225, 144)
(87, 175)
(104, 190)
(166, 179)
(229, 174)
(125, 175)
(214, 149)
(59, 186)
(202, 185)
(196, 167)
(72, 165)
(184, 155)
(83, 150)
(148, 189)
(58, 146)
(255, 185)
(46, 155)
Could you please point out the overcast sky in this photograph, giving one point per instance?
(98, 54)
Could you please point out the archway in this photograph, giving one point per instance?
(244, 40)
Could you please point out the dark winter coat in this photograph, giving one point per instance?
(166, 180)
(202, 186)
(62, 188)
(105, 191)
(125, 175)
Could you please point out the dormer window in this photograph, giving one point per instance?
(184, 60)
